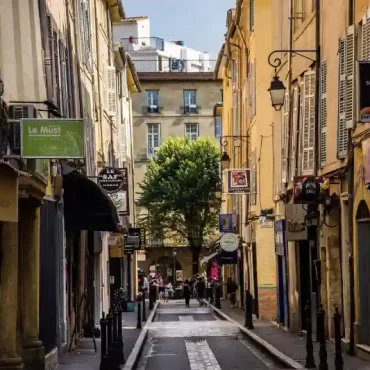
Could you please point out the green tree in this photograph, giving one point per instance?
(180, 192)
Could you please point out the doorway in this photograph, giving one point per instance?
(363, 264)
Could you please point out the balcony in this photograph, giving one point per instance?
(173, 65)
(152, 109)
(142, 43)
(190, 109)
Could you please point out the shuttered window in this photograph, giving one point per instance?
(350, 73)
(365, 45)
(308, 133)
(111, 91)
(342, 131)
(251, 15)
(300, 128)
(323, 114)
(294, 136)
(253, 196)
(285, 141)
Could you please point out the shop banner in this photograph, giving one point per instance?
(226, 223)
(52, 138)
(228, 258)
(238, 181)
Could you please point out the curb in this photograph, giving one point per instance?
(279, 356)
(136, 351)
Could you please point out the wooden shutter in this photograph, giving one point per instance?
(111, 91)
(300, 128)
(323, 113)
(365, 45)
(253, 196)
(308, 152)
(293, 145)
(251, 15)
(285, 141)
(254, 88)
(350, 73)
(342, 131)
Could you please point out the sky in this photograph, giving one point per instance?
(199, 23)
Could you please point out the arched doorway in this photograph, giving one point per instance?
(164, 268)
(363, 266)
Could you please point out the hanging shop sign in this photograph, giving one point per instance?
(239, 181)
(310, 189)
(227, 258)
(137, 237)
(295, 226)
(229, 242)
(121, 202)
(279, 230)
(52, 138)
(363, 80)
(112, 179)
(226, 223)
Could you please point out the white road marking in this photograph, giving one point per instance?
(201, 356)
(186, 318)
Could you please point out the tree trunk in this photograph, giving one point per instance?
(195, 256)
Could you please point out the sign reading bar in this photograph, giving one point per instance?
(52, 138)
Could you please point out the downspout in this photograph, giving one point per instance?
(350, 179)
(98, 63)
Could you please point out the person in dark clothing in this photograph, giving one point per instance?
(231, 288)
(201, 288)
(187, 293)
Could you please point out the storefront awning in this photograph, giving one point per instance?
(86, 205)
(208, 258)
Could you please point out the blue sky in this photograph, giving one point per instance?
(199, 23)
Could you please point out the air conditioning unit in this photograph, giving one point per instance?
(16, 113)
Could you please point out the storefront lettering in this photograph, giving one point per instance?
(296, 226)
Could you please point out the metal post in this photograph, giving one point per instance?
(174, 271)
(218, 296)
(144, 306)
(211, 300)
(246, 322)
(310, 360)
(116, 344)
(138, 325)
(104, 344)
(120, 336)
(151, 297)
(249, 310)
(338, 341)
(110, 356)
(322, 339)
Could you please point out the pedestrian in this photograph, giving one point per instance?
(201, 287)
(166, 292)
(231, 288)
(187, 293)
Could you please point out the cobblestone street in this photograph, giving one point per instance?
(194, 339)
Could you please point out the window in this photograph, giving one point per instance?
(154, 138)
(251, 15)
(191, 131)
(218, 127)
(85, 33)
(152, 101)
(190, 101)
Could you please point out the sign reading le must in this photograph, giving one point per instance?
(229, 242)
(111, 179)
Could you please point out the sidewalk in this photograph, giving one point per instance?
(290, 344)
(84, 357)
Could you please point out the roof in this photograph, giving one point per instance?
(134, 19)
(176, 76)
(219, 61)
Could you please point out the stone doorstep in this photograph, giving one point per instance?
(363, 351)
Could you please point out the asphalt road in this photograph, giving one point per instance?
(193, 338)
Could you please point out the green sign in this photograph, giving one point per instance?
(52, 138)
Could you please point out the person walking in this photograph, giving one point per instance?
(231, 288)
(201, 287)
(187, 293)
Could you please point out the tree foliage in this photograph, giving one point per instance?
(179, 191)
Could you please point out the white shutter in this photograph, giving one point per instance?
(365, 46)
(342, 131)
(308, 152)
(285, 141)
(111, 91)
(254, 88)
(293, 145)
(253, 196)
(300, 128)
(350, 73)
(323, 113)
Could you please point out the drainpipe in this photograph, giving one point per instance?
(350, 179)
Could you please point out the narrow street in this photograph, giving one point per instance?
(193, 338)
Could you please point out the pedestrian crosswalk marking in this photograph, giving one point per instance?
(186, 318)
(201, 356)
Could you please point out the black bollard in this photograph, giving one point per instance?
(246, 322)
(151, 297)
(310, 360)
(338, 362)
(218, 297)
(144, 306)
(211, 295)
(120, 336)
(110, 348)
(249, 309)
(116, 343)
(104, 344)
(323, 354)
(138, 324)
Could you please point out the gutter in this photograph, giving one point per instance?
(219, 60)
(133, 72)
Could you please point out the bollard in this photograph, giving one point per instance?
(218, 297)
(120, 336)
(338, 362)
(138, 324)
(323, 354)
(151, 297)
(310, 360)
(246, 322)
(144, 307)
(211, 295)
(249, 310)
(104, 345)
(110, 349)
(116, 343)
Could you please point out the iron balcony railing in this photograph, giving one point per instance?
(162, 64)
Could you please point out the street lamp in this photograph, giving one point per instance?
(225, 161)
(277, 93)
(174, 253)
(224, 142)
